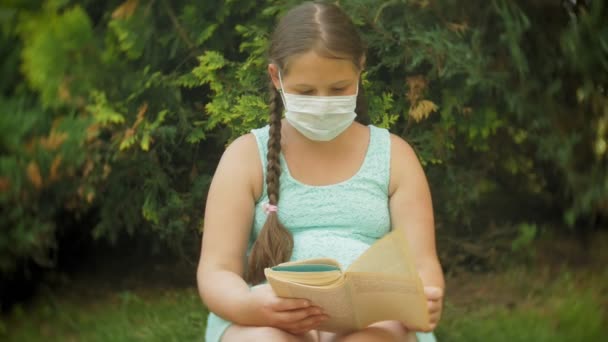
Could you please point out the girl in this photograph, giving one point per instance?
(314, 184)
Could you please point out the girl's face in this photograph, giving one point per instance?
(311, 74)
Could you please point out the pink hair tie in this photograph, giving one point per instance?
(269, 208)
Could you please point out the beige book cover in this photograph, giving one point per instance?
(382, 284)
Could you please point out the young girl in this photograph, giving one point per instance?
(314, 184)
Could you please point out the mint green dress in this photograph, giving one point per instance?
(339, 221)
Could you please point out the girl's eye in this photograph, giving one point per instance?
(338, 90)
(306, 92)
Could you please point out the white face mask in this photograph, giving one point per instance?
(320, 118)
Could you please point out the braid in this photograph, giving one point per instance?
(274, 244)
(273, 168)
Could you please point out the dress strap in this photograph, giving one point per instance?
(378, 159)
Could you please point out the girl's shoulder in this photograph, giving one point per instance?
(241, 156)
(404, 162)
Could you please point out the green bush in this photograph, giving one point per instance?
(123, 108)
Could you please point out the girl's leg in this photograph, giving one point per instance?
(389, 331)
(240, 333)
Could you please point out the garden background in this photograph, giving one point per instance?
(113, 116)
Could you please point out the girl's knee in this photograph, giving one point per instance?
(389, 331)
(239, 333)
(369, 335)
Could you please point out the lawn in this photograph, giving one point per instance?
(533, 302)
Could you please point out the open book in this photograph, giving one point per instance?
(382, 284)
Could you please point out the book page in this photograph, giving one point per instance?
(389, 255)
(378, 297)
(386, 285)
(335, 301)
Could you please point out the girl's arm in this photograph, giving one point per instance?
(229, 212)
(412, 210)
(227, 225)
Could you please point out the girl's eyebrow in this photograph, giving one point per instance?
(338, 83)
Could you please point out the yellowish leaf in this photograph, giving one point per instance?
(33, 173)
(145, 142)
(600, 147)
(458, 27)
(422, 110)
(106, 171)
(88, 168)
(54, 172)
(5, 184)
(64, 90)
(90, 196)
(125, 10)
(421, 3)
(128, 140)
(53, 141)
(140, 115)
(416, 86)
(92, 132)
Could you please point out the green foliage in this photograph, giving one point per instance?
(36, 177)
(504, 102)
(55, 49)
(527, 233)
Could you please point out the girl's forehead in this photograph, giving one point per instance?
(312, 68)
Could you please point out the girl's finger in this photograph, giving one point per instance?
(433, 306)
(294, 316)
(306, 324)
(287, 304)
(433, 292)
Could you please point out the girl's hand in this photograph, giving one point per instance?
(434, 297)
(296, 316)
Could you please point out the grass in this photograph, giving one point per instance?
(529, 306)
(516, 305)
(159, 315)
(559, 297)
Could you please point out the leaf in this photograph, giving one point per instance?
(196, 135)
(422, 110)
(33, 174)
(5, 184)
(88, 168)
(125, 10)
(140, 115)
(109, 116)
(149, 209)
(92, 132)
(53, 141)
(459, 28)
(128, 140)
(416, 86)
(64, 90)
(54, 172)
(145, 142)
(90, 196)
(159, 119)
(206, 34)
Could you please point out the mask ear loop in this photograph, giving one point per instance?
(282, 90)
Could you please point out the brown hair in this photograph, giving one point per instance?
(327, 30)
